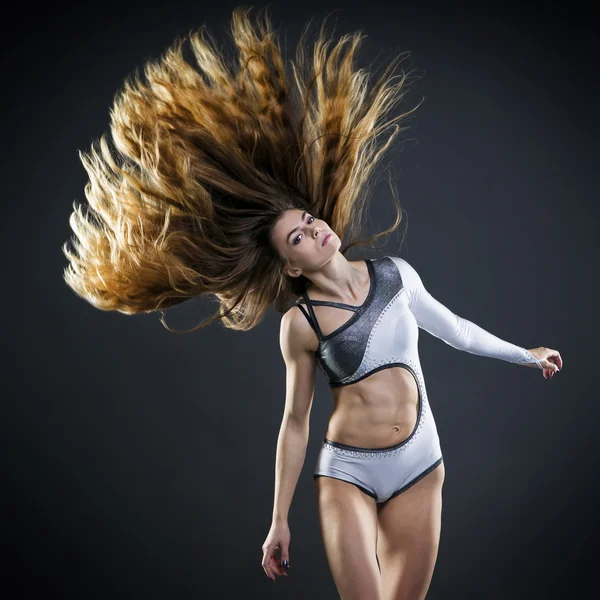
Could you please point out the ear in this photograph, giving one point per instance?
(292, 272)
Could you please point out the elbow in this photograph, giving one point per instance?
(296, 423)
(461, 337)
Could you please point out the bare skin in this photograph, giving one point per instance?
(378, 411)
(404, 532)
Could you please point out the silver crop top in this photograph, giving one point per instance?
(383, 331)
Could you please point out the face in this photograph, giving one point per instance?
(298, 237)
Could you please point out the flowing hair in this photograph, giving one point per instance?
(207, 159)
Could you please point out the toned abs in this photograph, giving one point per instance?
(378, 411)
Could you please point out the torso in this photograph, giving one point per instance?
(378, 411)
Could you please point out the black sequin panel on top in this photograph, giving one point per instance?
(341, 352)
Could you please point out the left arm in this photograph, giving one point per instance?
(437, 319)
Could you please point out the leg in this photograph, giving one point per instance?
(408, 538)
(348, 521)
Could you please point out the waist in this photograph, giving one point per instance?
(378, 411)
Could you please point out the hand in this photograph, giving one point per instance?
(279, 537)
(550, 359)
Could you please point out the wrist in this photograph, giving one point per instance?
(530, 359)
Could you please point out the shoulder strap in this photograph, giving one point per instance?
(331, 303)
(313, 321)
(307, 317)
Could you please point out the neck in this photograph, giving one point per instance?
(339, 280)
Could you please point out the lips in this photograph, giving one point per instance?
(326, 239)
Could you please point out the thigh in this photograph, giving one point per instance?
(348, 521)
(409, 528)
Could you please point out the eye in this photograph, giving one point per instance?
(310, 221)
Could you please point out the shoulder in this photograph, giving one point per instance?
(295, 332)
(399, 262)
(411, 280)
(407, 271)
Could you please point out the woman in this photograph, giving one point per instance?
(239, 181)
(380, 471)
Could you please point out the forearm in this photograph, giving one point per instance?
(472, 338)
(291, 452)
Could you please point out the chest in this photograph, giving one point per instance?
(349, 334)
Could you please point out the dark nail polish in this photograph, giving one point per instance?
(285, 564)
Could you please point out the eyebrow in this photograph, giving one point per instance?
(292, 231)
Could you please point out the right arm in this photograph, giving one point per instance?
(293, 434)
(295, 338)
(458, 332)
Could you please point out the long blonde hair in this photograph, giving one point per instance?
(207, 159)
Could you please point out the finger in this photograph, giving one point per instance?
(273, 564)
(555, 358)
(285, 560)
(266, 564)
(559, 360)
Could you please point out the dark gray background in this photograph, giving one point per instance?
(140, 464)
